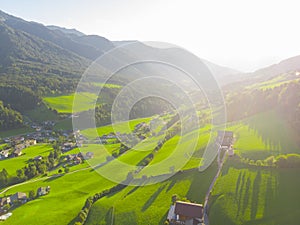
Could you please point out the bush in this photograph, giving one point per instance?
(270, 161)
(288, 161)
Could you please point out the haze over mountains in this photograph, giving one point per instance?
(54, 50)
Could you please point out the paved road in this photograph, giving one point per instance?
(205, 208)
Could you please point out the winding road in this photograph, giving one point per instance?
(205, 208)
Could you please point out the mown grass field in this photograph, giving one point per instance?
(67, 196)
(121, 127)
(242, 195)
(150, 204)
(64, 103)
(255, 196)
(13, 164)
(263, 135)
(108, 85)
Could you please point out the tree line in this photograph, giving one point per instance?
(285, 99)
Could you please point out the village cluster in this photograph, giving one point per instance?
(20, 198)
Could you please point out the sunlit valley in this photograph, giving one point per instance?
(225, 153)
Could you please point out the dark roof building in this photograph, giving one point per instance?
(19, 196)
(225, 138)
(189, 213)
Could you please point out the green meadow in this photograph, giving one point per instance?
(122, 127)
(263, 135)
(249, 195)
(107, 85)
(149, 204)
(64, 103)
(274, 82)
(243, 194)
(67, 196)
(13, 164)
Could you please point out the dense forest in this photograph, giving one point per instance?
(284, 98)
(9, 118)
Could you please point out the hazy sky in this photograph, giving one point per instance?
(242, 34)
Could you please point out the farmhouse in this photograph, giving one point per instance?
(18, 151)
(43, 191)
(18, 197)
(68, 146)
(4, 153)
(225, 138)
(30, 142)
(4, 201)
(185, 213)
(77, 160)
(18, 140)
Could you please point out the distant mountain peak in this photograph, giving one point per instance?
(66, 30)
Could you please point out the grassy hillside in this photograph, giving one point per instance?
(150, 204)
(13, 164)
(66, 198)
(64, 103)
(243, 194)
(249, 195)
(13, 132)
(264, 134)
(121, 127)
(40, 114)
(276, 81)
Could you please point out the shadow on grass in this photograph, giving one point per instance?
(246, 196)
(72, 222)
(132, 190)
(255, 195)
(269, 198)
(270, 127)
(152, 198)
(171, 185)
(240, 196)
(54, 177)
(163, 218)
(94, 168)
(109, 217)
(237, 185)
(200, 182)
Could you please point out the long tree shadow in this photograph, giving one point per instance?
(163, 218)
(246, 196)
(269, 197)
(200, 183)
(109, 216)
(237, 185)
(54, 177)
(152, 198)
(255, 195)
(132, 190)
(240, 196)
(274, 133)
(171, 185)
